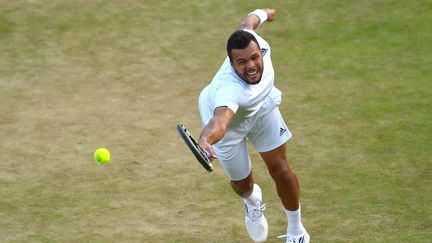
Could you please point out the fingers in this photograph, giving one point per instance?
(210, 154)
(212, 157)
(209, 151)
(271, 13)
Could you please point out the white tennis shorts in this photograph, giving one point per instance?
(266, 131)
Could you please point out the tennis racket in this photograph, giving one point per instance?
(201, 155)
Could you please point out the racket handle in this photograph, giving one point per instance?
(207, 153)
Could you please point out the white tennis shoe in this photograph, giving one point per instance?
(256, 223)
(304, 238)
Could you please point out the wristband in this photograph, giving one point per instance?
(261, 14)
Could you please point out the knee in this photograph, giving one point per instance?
(243, 187)
(281, 172)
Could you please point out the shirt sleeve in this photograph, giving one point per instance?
(263, 43)
(229, 96)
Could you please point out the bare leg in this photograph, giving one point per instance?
(243, 187)
(287, 184)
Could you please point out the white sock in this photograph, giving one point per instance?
(254, 197)
(295, 226)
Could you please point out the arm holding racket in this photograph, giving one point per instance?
(215, 129)
(212, 133)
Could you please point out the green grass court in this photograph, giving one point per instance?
(356, 78)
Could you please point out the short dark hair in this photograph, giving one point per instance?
(240, 39)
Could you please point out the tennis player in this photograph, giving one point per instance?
(240, 103)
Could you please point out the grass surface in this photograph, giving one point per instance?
(78, 75)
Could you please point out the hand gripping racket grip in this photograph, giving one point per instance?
(200, 154)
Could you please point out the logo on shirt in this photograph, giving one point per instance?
(264, 51)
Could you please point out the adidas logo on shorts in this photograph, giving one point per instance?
(282, 130)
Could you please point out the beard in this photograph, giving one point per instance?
(251, 76)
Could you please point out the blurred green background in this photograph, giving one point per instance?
(79, 75)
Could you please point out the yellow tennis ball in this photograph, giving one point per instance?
(102, 155)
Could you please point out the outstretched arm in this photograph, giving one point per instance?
(215, 129)
(257, 17)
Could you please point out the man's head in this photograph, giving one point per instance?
(245, 56)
